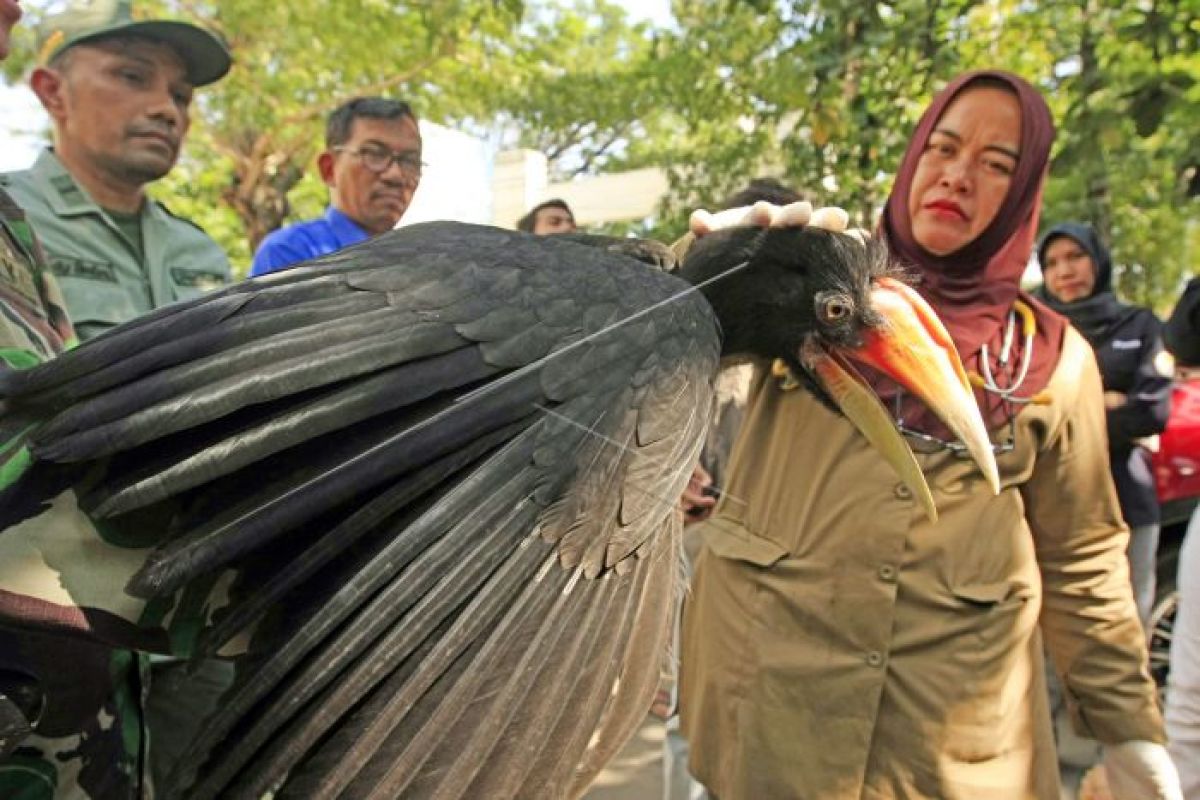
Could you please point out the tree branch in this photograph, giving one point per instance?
(321, 109)
(591, 158)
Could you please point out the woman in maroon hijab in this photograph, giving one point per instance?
(838, 644)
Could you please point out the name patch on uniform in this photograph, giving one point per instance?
(83, 268)
(1126, 344)
(195, 279)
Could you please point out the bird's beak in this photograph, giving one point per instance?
(914, 349)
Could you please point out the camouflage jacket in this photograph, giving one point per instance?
(70, 709)
(33, 316)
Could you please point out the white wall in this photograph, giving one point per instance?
(23, 127)
(456, 183)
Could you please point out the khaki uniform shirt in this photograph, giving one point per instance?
(103, 279)
(837, 644)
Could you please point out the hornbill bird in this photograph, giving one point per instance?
(428, 486)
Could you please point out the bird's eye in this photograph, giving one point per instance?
(835, 308)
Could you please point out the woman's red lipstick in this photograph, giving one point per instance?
(948, 206)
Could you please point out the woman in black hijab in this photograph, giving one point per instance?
(1127, 339)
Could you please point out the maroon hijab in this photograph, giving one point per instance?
(973, 288)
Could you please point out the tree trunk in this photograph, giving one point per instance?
(263, 175)
(1091, 80)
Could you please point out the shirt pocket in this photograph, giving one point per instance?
(1000, 614)
(94, 296)
(731, 540)
(990, 594)
(187, 283)
(987, 706)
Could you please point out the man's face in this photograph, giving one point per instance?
(376, 200)
(553, 219)
(120, 105)
(10, 12)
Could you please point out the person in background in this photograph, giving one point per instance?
(551, 216)
(1182, 335)
(1182, 331)
(118, 91)
(372, 166)
(838, 643)
(1127, 340)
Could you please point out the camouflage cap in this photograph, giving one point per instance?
(204, 54)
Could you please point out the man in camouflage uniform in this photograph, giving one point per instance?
(33, 327)
(35, 324)
(71, 721)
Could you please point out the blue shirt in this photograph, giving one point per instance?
(306, 240)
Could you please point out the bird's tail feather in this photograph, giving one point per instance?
(330, 411)
(178, 367)
(241, 336)
(410, 552)
(284, 509)
(181, 410)
(365, 520)
(378, 637)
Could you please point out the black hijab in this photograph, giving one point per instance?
(1099, 314)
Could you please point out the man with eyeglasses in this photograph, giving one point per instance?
(372, 165)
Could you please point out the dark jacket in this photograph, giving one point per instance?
(1182, 332)
(1128, 344)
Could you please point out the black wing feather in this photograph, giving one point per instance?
(443, 466)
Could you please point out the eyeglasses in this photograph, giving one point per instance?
(958, 449)
(378, 159)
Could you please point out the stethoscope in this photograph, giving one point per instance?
(987, 382)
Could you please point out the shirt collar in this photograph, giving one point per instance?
(345, 230)
(64, 194)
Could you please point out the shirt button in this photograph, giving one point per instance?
(887, 572)
(903, 492)
(874, 658)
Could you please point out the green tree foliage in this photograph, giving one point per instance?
(820, 93)
(824, 93)
(584, 88)
(1128, 158)
(249, 160)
